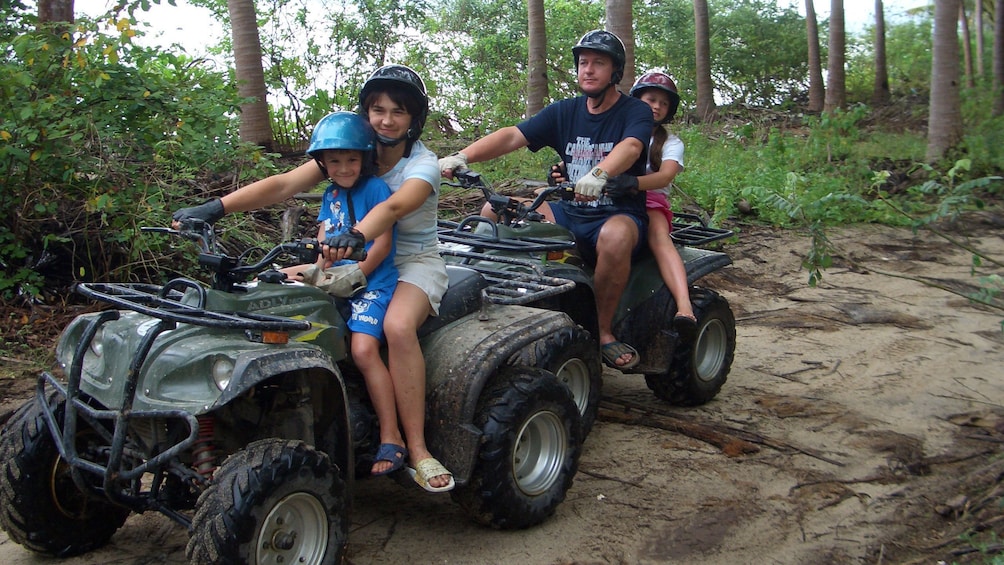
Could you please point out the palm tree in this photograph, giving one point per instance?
(619, 22)
(944, 125)
(880, 96)
(256, 127)
(702, 54)
(836, 83)
(967, 49)
(998, 60)
(816, 89)
(536, 87)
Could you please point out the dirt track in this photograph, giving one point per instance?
(863, 422)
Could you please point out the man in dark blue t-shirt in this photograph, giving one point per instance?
(598, 136)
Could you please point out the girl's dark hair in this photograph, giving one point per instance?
(659, 137)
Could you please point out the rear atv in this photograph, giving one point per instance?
(681, 372)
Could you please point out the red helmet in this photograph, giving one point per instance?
(662, 82)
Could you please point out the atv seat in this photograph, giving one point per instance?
(462, 297)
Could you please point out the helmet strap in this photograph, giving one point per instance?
(597, 98)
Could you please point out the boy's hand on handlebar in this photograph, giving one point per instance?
(208, 212)
(337, 246)
(452, 163)
(621, 186)
(591, 184)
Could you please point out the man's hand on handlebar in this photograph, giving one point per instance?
(451, 163)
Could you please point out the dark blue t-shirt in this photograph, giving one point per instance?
(582, 140)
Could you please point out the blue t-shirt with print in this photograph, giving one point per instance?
(582, 140)
(336, 218)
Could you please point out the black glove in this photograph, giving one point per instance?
(621, 186)
(352, 238)
(208, 212)
(559, 169)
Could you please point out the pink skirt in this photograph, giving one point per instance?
(657, 201)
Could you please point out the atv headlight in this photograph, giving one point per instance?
(223, 369)
(98, 343)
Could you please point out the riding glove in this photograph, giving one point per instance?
(621, 186)
(591, 184)
(452, 163)
(208, 212)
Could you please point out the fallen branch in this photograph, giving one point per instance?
(731, 441)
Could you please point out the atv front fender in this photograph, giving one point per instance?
(461, 358)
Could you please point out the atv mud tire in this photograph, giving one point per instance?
(529, 453)
(574, 357)
(41, 507)
(700, 368)
(275, 501)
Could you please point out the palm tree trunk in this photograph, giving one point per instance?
(998, 60)
(536, 80)
(944, 126)
(836, 84)
(817, 92)
(619, 22)
(256, 127)
(536, 87)
(702, 52)
(967, 46)
(880, 96)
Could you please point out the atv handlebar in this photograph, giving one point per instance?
(510, 210)
(229, 270)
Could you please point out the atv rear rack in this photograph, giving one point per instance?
(165, 302)
(691, 230)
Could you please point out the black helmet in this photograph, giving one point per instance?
(607, 43)
(399, 77)
(662, 82)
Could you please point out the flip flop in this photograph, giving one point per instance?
(613, 351)
(685, 326)
(428, 468)
(393, 453)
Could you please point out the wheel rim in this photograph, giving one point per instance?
(539, 454)
(709, 350)
(295, 531)
(66, 497)
(575, 375)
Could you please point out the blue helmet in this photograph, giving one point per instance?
(347, 131)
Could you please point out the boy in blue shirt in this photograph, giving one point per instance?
(343, 146)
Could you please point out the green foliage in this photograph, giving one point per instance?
(484, 53)
(908, 54)
(98, 136)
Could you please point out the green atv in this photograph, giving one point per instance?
(681, 372)
(234, 409)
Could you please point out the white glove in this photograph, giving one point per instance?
(343, 281)
(591, 184)
(452, 163)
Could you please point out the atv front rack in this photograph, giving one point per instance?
(462, 234)
(165, 303)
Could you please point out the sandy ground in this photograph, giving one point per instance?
(863, 422)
